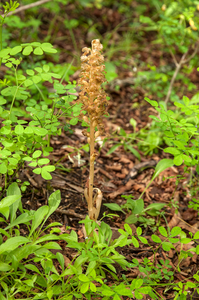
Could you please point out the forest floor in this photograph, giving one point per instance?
(119, 173)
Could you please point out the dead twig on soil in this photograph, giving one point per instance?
(70, 212)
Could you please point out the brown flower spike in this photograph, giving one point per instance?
(94, 101)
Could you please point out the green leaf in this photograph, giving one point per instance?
(128, 229)
(28, 82)
(22, 219)
(135, 242)
(47, 47)
(13, 243)
(132, 219)
(163, 231)
(45, 172)
(43, 161)
(138, 206)
(161, 166)
(52, 245)
(19, 129)
(27, 50)
(175, 231)
(38, 51)
(196, 236)
(114, 207)
(84, 287)
(3, 168)
(152, 102)
(156, 239)
(37, 154)
(113, 148)
(157, 206)
(38, 218)
(135, 152)
(178, 160)
(4, 52)
(15, 50)
(172, 150)
(83, 278)
(14, 190)
(167, 246)
(139, 231)
(40, 131)
(53, 202)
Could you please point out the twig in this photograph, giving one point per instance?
(178, 67)
(25, 7)
(70, 213)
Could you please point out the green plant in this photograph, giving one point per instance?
(177, 27)
(22, 140)
(137, 210)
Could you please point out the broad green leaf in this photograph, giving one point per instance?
(3, 168)
(132, 219)
(157, 206)
(53, 202)
(27, 50)
(156, 239)
(175, 231)
(4, 52)
(13, 243)
(43, 161)
(172, 150)
(128, 229)
(8, 201)
(47, 47)
(39, 216)
(19, 129)
(52, 245)
(178, 160)
(196, 236)
(37, 154)
(4, 268)
(28, 82)
(167, 246)
(45, 172)
(138, 206)
(40, 131)
(83, 278)
(135, 242)
(162, 231)
(84, 287)
(161, 166)
(139, 231)
(47, 237)
(15, 50)
(22, 219)
(152, 102)
(14, 190)
(38, 51)
(114, 207)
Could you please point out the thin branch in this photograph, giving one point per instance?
(25, 7)
(178, 67)
(193, 54)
